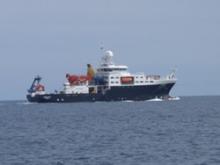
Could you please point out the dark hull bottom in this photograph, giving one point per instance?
(136, 93)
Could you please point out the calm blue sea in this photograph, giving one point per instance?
(184, 132)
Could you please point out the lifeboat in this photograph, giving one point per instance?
(77, 79)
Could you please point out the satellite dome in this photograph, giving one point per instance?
(109, 53)
(107, 58)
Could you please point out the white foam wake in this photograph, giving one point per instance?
(156, 99)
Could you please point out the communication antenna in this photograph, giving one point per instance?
(102, 48)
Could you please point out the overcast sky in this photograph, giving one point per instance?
(52, 38)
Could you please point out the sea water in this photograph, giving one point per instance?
(183, 132)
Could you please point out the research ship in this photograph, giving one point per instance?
(109, 82)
